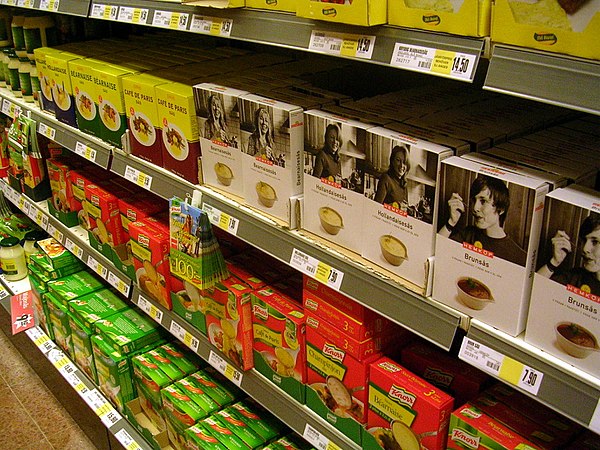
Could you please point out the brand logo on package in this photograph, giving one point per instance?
(261, 312)
(312, 322)
(329, 12)
(402, 396)
(545, 38)
(398, 211)
(583, 291)
(311, 304)
(493, 171)
(477, 248)
(390, 367)
(334, 353)
(144, 240)
(95, 200)
(131, 215)
(437, 377)
(595, 207)
(463, 437)
(469, 412)
(433, 19)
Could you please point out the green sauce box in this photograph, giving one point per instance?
(128, 331)
(45, 267)
(200, 437)
(180, 412)
(58, 314)
(113, 372)
(195, 390)
(259, 420)
(239, 427)
(215, 390)
(41, 314)
(73, 286)
(149, 379)
(290, 442)
(187, 361)
(55, 254)
(224, 434)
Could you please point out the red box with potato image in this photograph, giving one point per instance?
(150, 250)
(228, 314)
(279, 340)
(405, 411)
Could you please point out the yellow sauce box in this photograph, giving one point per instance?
(57, 64)
(279, 340)
(110, 102)
(357, 12)
(405, 409)
(142, 116)
(545, 25)
(84, 90)
(275, 5)
(464, 17)
(180, 139)
(45, 76)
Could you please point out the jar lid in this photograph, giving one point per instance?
(34, 235)
(9, 242)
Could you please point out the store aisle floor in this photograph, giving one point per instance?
(30, 417)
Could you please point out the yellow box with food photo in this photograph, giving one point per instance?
(335, 163)
(401, 193)
(489, 223)
(272, 136)
(463, 17)
(180, 139)
(57, 64)
(275, 5)
(561, 26)
(45, 76)
(84, 90)
(563, 315)
(355, 12)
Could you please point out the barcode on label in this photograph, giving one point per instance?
(311, 269)
(425, 64)
(493, 365)
(335, 47)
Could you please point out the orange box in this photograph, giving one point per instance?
(102, 208)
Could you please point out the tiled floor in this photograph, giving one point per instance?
(30, 416)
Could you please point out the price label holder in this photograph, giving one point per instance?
(10, 2)
(501, 366)
(126, 440)
(23, 204)
(150, 309)
(140, 178)
(221, 219)
(40, 339)
(74, 248)
(317, 269)
(97, 267)
(106, 12)
(222, 366)
(170, 19)
(25, 3)
(49, 5)
(118, 284)
(86, 152)
(460, 66)
(215, 26)
(128, 14)
(55, 233)
(47, 131)
(187, 338)
(9, 108)
(342, 44)
(314, 437)
(103, 409)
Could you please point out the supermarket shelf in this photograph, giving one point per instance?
(550, 78)
(295, 415)
(561, 386)
(70, 7)
(75, 239)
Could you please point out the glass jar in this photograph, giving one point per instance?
(35, 81)
(13, 73)
(5, 59)
(17, 34)
(39, 31)
(29, 242)
(25, 79)
(12, 258)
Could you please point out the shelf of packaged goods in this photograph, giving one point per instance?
(547, 379)
(85, 145)
(75, 239)
(285, 408)
(70, 7)
(374, 44)
(550, 78)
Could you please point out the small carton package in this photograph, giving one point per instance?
(405, 409)
(186, 360)
(200, 436)
(187, 302)
(240, 428)
(464, 17)
(85, 96)
(357, 12)
(44, 267)
(228, 314)
(222, 392)
(57, 64)
(223, 433)
(148, 380)
(218, 115)
(180, 412)
(55, 254)
(74, 286)
(45, 76)
(193, 388)
(334, 176)
(490, 222)
(279, 340)
(272, 136)
(336, 385)
(401, 192)
(563, 315)
(180, 139)
(62, 205)
(277, 5)
(58, 315)
(548, 25)
(258, 419)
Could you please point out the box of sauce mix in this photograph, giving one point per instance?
(405, 410)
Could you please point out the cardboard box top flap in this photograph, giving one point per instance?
(328, 116)
(263, 100)
(222, 89)
(581, 196)
(281, 303)
(97, 305)
(415, 141)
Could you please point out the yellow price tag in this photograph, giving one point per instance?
(224, 221)
(187, 338)
(332, 446)
(62, 362)
(323, 272)
(349, 47)
(442, 62)
(136, 16)
(21, 202)
(230, 372)
(41, 340)
(106, 14)
(80, 387)
(103, 410)
(39, 217)
(174, 22)
(215, 27)
(133, 446)
(52, 6)
(511, 370)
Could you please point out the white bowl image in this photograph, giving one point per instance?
(109, 115)
(85, 105)
(473, 293)
(175, 142)
(142, 129)
(576, 340)
(393, 249)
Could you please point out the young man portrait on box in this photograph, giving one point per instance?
(586, 277)
(490, 200)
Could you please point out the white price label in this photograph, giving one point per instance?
(137, 177)
(74, 248)
(317, 269)
(97, 267)
(481, 356)
(314, 437)
(222, 366)
(150, 309)
(47, 131)
(10, 2)
(67, 369)
(126, 440)
(22, 204)
(221, 219)
(187, 338)
(6, 107)
(4, 293)
(530, 379)
(25, 3)
(106, 12)
(172, 20)
(108, 415)
(49, 5)
(118, 284)
(214, 26)
(341, 44)
(133, 15)
(55, 233)
(75, 382)
(435, 61)
(86, 152)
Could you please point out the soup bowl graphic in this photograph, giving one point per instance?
(576, 340)
(393, 249)
(473, 293)
(330, 219)
(224, 174)
(266, 194)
